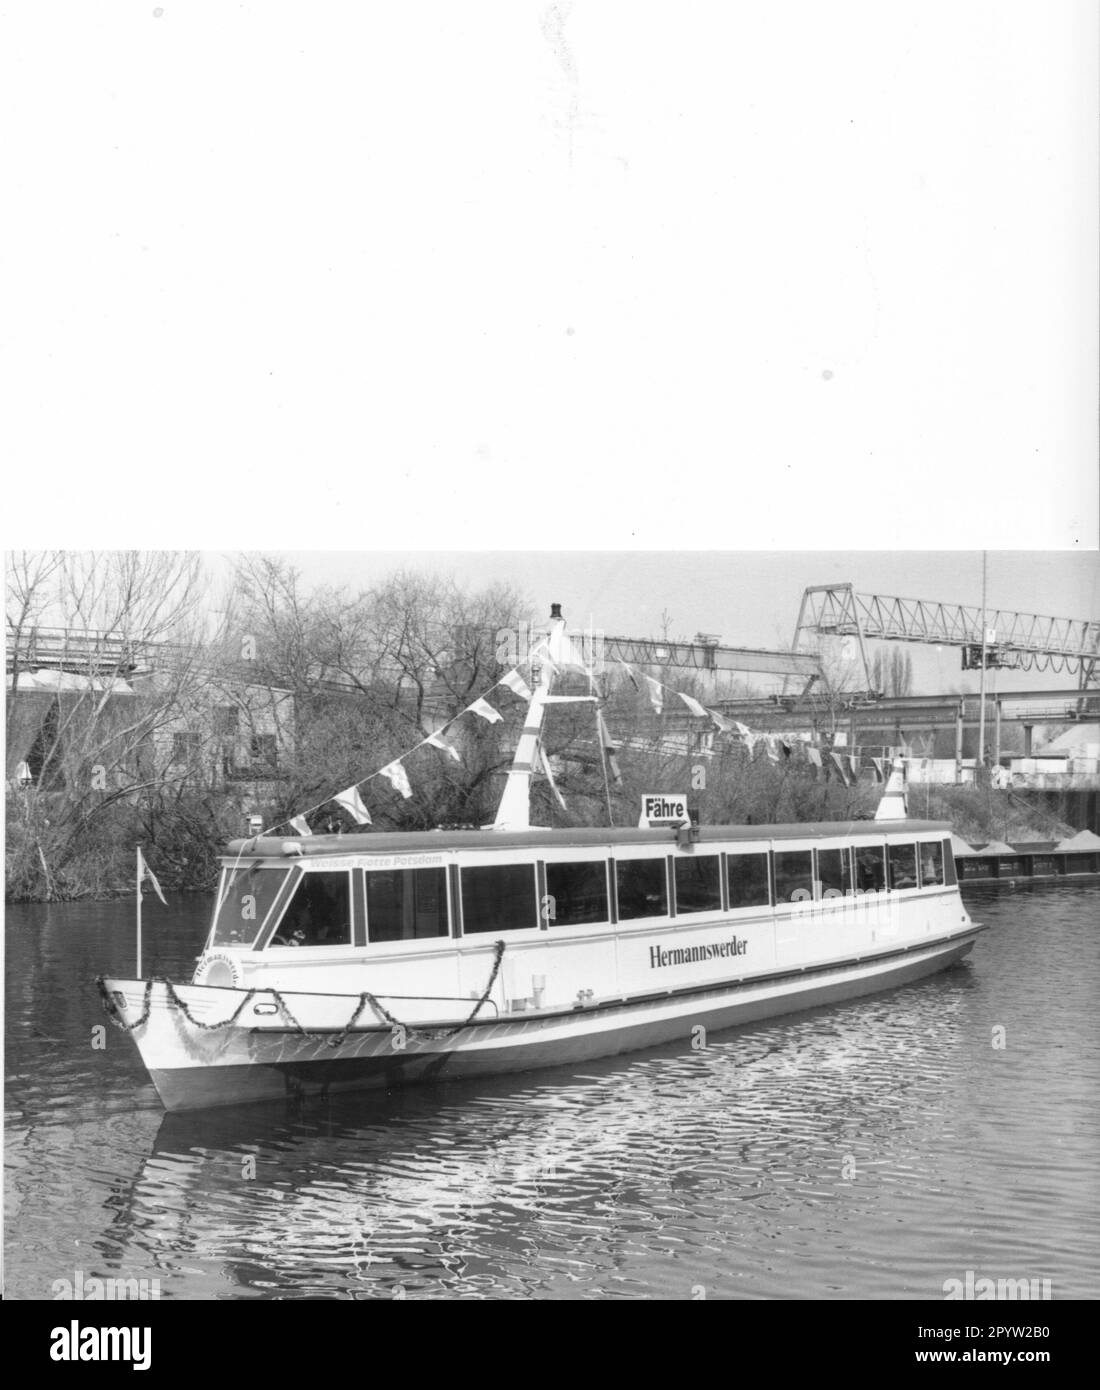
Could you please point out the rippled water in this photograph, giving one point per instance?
(872, 1149)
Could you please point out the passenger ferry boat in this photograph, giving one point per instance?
(340, 962)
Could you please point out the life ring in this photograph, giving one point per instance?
(219, 968)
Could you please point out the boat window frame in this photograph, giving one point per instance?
(876, 842)
(801, 845)
(693, 857)
(759, 849)
(327, 952)
(903, 842)
(846, 870)
(278, 904)
(625, 854)
(499, 860)
(937, 842)
(412, 943)
(575, 855)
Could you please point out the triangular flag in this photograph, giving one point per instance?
(721, 721)
(395, 774)
(514, 681)
(656, 697)
(301, 825)
(814, 755)
(773, 752)
(437, 741)
(352, 803)
(610, 749)
(545, 763)
(694, 706)
(838, 762)
(855, 764)
(879, 765)
(630, 673)
(485, 710)
(145, 872)
(786, 747)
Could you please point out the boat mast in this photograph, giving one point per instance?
(514, 811)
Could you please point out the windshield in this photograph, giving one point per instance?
(245, 897)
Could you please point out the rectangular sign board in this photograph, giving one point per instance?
(664, 808)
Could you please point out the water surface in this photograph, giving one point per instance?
(867, 1150)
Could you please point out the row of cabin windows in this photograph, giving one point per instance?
(412, 904)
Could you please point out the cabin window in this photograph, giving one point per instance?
(903, 865)
(698, 883)
(931, 865)
(319, 913)
(870, 869)
(747, 876)
(499, 897)
(643, 888)
(949, 875)
(794, 876)
(834, 872)
(577, 893)
(244, 901)
(406, 904)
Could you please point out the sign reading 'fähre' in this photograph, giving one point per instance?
(664, 808)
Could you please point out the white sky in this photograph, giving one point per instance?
(514, 274)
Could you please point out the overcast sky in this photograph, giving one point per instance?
(529, 274)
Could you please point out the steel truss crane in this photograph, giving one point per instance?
(1026, 641)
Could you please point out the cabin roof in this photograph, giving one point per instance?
(428, 841)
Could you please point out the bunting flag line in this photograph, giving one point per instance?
(656, 696)
(484, 710)
(514, 681)
(398, 778)
(813, 754)
(630, 673)
(300, 824)
(437, 741)
(773, 752)
(855, 764)
(145, 872)
(694, 705)
(746, 733)
(879, 765)
(352, 802)
(721, 721)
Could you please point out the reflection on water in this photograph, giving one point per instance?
(873, 1149)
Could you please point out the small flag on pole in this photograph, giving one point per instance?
(398, 778)
(438, 741)
(352, 803)
(145, 872)
(514, 681)
(301, 825)
(485, 710)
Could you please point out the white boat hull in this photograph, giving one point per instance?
(264, 1055)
